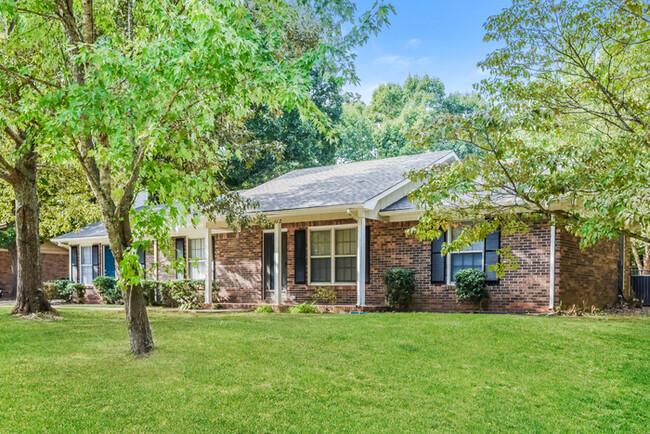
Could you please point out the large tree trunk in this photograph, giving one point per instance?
(30, 298)
(119, 235)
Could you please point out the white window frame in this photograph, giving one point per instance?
(194, 261)
(82, 266)
(332, 256)
(450, 278)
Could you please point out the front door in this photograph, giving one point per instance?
(269, 266)
(109, 262)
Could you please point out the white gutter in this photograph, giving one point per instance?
(551, 293)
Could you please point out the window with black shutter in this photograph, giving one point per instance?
(492, 244)
(438, 268)
(74, 263)
(367, 254)
(300, 256)
(95, 253)
(180, 254)
(142, 259)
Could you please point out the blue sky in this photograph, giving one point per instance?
(442, 38)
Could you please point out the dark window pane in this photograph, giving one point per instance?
(463, 261)
(321, 270)
(346, 269)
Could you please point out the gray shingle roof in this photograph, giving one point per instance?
(341, 184)
(94, 230)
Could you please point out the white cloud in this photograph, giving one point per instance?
(413, 44)
(424, 61)
(399, 61)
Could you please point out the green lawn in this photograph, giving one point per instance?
(282, 372)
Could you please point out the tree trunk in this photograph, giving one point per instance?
(637, 259)
(30, 298)
(119, 235)
(138, 321)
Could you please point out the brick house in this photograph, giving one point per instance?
(342, 226)
(54, 265)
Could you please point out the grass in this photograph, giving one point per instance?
(315, 373)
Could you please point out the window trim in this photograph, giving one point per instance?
(191, 260)
(450, 277)
(332, 256)
(82, 265)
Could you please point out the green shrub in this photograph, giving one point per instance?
(153, 296)
(470, 285)
(57, 290)
(400, 286)
(265, 308)
(78, 290)
(304, 308)
(324, 295)
(185, 293)
(109, 290)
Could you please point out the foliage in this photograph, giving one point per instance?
(383, 128)
(76, 290)
(8, 238)
(470, 285)
(300, 143)
(400, 286)
(58, 290)
(304, 308)
(264, 308)
(505, 359)
(324, 295)
(109, 290)
(565, 133)
(185, 292)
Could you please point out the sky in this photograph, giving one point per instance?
(442, 38)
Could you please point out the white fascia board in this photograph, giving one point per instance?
(82, 241)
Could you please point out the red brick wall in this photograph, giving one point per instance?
(6, 274)
(238, 268)
(587, 277)
(53, 266)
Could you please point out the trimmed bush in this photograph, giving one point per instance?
(57, 290)
(470, 286)
(264, 309)
(153, 296)
(108, 289)
(78, 290)
(400, 286)
(185, 293)
(324, 295)
(304, 308)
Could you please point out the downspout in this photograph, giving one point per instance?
(551, 293)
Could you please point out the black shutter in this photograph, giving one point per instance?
(74, 261)
(180, 253)
(438, 269)
(492, 244)
(95, 250)
(300, 256)
(367, 254)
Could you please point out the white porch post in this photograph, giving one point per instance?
(208, 266)
(361, 261)
(277, 262)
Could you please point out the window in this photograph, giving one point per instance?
(469, 257)
(87, 265)
(333, 255)
(197, 259)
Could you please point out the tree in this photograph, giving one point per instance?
(153, 93)
(396, 111)
(300, 143)
(566, 135)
